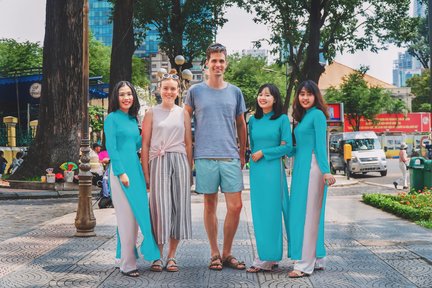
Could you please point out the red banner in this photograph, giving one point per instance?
(412, 122)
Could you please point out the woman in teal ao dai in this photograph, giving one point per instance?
(311, 176)
(128, 188)
(270, 140)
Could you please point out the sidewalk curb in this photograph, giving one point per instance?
(41, 194)
(378, 184)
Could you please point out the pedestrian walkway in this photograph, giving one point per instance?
(366, 248)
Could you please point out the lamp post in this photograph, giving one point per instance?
(185, 77)
(85, 220)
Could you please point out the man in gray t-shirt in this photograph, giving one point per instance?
(218, 108)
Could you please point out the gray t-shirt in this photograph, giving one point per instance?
(215, 111)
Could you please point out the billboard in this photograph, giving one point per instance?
(412, 122)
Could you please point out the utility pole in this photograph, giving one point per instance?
(85, 220)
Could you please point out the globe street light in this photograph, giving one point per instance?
(185, 77)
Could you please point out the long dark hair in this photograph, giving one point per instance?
(277, 105)
(311, 87)
(114, 99)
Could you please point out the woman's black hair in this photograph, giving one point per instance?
(114, 99)
(277, 105)
(319, 102)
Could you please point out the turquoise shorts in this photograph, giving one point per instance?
(214, 173)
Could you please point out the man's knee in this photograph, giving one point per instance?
(235, 206)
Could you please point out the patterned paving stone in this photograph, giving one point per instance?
(359, 255)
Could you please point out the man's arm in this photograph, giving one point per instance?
(241, 133)
(188, 109)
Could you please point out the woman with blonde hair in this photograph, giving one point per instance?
(167, 161)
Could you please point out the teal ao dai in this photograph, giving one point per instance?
(268, 183)
(311, 138)
(123, 140)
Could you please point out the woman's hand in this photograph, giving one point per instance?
(124, 179)
(329, 179)
(257, 156)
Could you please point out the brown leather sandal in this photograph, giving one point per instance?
(215, 263)
(228, 262)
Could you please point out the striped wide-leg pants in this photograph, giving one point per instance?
(170, 197)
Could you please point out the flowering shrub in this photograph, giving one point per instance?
(417, 199)
(414, 206)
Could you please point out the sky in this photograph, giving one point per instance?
(24, 20)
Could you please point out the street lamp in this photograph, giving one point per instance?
(185, 76)
(85, 220)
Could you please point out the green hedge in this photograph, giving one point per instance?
(391, 204)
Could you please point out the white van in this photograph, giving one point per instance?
(367, 154)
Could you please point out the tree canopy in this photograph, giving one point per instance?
(305, 30)
(16, 56)
(249, 73)
(360, 101)
(185, 27)
(421, 89)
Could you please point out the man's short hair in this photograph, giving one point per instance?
(215, 48)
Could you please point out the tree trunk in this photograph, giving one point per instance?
(58, 133)
(177, 28)
(123, 45)
(312, 68)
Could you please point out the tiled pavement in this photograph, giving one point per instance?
(366, 248)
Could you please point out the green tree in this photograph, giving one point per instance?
(99, 59)
(414, 37)
(302, 30)
(420, 88)
(185, 27)
(360, 101)
(249, 73)
(139, 72)
(96, 117)
(396, 107)
(15, 55)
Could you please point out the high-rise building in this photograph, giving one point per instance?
(102, 28)
(406, 66)
(99, 21)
